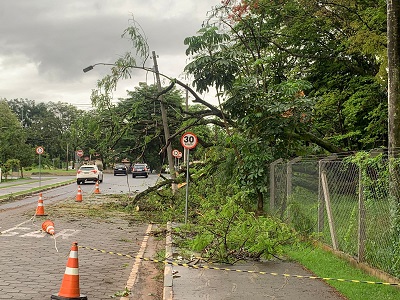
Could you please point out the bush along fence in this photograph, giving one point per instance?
(349, 201)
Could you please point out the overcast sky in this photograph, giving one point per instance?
(45, 44)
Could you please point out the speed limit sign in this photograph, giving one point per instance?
(189, 140)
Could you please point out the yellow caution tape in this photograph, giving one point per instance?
(174, 263)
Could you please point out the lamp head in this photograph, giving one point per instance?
(87, 69)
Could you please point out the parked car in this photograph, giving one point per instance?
(120, 169)
(140, 170)
(89, 173)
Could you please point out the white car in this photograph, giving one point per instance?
(89, 173)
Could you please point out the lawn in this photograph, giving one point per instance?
(325, 264)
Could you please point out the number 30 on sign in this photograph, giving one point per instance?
(189, 140)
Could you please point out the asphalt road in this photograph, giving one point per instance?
(111, 185)
(33, 262)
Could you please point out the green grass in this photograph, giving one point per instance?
(326, 264)
(54, 172)
(33, 190)
(379, 251)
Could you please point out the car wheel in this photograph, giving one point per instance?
(146, 175)
(78, 182)
(133, 176)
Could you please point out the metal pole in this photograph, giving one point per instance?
(40, 172)
(187, 186)
(165, 125)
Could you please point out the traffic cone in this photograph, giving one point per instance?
(40, 207)
(48, 226)
(79, 194)
(97, 189)
(70, 283)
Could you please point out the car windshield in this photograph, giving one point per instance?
(119, 166)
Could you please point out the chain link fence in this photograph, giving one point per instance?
(344, 201)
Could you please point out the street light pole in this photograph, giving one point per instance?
(165, 125)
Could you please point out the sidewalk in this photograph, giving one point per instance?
(186, 283)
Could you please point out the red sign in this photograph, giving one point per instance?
(175, 152)
(189, 140)
(79, 153)
(39, 150)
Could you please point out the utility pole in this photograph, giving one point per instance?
(186, 151)
(67, 159)
(165, 125)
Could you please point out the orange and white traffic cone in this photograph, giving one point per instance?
(97, 189)
(40, 207)
(70, 283)
(48, 226)
(79, 194)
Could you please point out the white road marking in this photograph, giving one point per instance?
(135, 268)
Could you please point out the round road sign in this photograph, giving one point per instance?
(175, 152)
(79, 153)
(189, 140)
(39, 150)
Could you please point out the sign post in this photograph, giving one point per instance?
(40, 151)
(178, 157)
(188, 141)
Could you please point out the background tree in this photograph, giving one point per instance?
(13, 139)
(299, 77)
(141, 138)
(47, 125)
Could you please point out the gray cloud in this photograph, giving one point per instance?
(44, 45)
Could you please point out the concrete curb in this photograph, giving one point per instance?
(168, 283)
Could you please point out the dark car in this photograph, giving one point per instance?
(120, 169)
(140, 170)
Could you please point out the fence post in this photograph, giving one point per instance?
(272, 181)
(321, 202)
(289, 174)
(361, 219)
(329, 210)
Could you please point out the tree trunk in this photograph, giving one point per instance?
(393, 17)
(260, 202)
